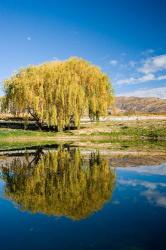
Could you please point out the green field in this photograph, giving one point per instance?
(133, 134)
(125, 130)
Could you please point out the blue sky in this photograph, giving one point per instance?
(126, 38)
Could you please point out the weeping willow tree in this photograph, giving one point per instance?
(60, 183)
(57, 94)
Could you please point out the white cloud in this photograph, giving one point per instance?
(145, 184)
(28, 38)
(162, 77)
(55, 58)
(153, 92)
(153, 190)
(132, 63)
(155, 198)
(152, 69)
(150, 170)
(148, 52)
(113, 62)
(141, 79)
(154, 64)
(135, 80)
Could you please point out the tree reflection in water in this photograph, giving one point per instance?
(60, 183)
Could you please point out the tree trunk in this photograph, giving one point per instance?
(36, 118)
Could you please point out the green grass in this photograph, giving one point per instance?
(4, 145)
(18, 138)
(4, 133)
(143, 130)
(135, 133)
(10, 133)
(135, 130)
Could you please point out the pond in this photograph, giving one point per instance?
(63, 197)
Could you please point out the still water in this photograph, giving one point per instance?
(68, 198)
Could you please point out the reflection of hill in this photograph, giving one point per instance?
(116, 158)
(135, 161)
(60, 183)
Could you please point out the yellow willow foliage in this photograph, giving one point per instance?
(61, 183)
(1, 103)
(57, 93)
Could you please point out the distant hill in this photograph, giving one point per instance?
(140, 105)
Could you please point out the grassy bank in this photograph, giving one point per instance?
(125, 130)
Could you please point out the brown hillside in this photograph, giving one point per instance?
(141, 105)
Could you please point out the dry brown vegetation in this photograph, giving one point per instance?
(137, 105)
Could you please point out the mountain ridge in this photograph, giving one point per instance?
(140, 105)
